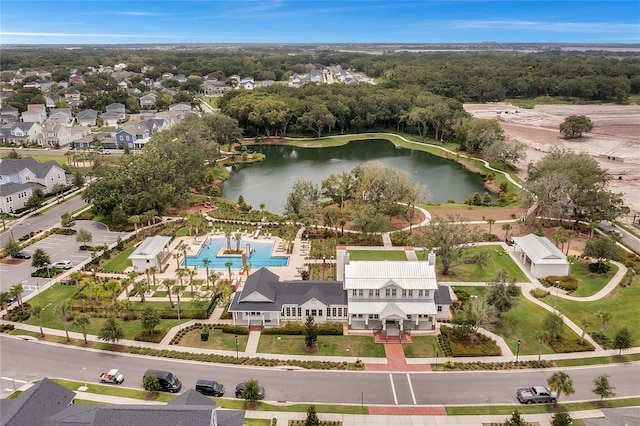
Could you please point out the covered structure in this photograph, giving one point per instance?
(540, 256)
(150, 253)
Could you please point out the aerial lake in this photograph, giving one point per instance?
(270, 181)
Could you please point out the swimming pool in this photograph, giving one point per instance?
(260, 256)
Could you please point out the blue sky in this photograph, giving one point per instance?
(318, 21)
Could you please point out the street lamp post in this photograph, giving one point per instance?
(437, 353)
(236, 336)
(518, 350)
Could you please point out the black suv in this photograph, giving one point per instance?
(209, 387)
(240, 390)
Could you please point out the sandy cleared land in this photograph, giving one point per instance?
(614, 141)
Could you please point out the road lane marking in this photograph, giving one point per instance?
(393, 389)
(413, 395)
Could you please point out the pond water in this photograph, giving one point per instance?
(270, 181)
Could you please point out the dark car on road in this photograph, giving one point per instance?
(21, 255)
(209, 387)
(241, 387)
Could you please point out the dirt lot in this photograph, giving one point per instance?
(614, 140)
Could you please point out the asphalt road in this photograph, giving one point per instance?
(28, 360)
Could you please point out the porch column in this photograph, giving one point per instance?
(349, 320)
(366, 322)
(233, 315)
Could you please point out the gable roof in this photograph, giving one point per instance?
(406, 275)
(40, 401)
(191, 397)
(15, 187)
(89, 114)
(10, 166)
(540, 249)
(150, 247)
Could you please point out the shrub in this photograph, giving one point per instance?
(539, 293)
(6, 327)
(565, 282)
(147, 336)
(86, 215)
(570, 344)
(599, 267)
(490, 237)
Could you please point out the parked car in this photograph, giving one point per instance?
(21, 255)
(536, 394)
(209, 387)
(112, 376)
(167, 380)
(62, 264)
(241, 387)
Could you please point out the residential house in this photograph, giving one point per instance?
(167, 75)
(540, 256)
(390, 297)
(123, 85)
(133, 137)
(20, 133)
(183, 107)
(72, 95)
(181, 78)
(106, 138)
(51, 404)
(45, 84)
(87, 117)
(35, 113)
(247, 83)
(214, 87)
(120, 67)
(50, 101)
(148, 101)
(14, 196)
(110, 118)
(118, 109)
(61, 116)
(28, 170)
(76, 80)
(151, 252)
(54, 136)
(9, 115)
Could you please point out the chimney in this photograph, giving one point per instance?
(432, 258)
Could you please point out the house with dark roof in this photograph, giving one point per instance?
(28, 170)
(49, 404)
(9, 115)
(148, 101)
(14, 196)
(87, 117)
(117, 109)
(391, 297)
(19, 133)
(61, 116)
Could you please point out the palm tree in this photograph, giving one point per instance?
(228, 265)
(152, 271)
(135, 219)
(169, 283)
(191, 273)
(206, 262)
(542, 337)
(177, 257)
(570, 233)
(36, 310)
(246, 268)
(64, 308)
(491, 221)
(141, 288)
(76, 277)
(560, 382)
(82, 321)
(604, 317)
(585, 325)
(184, 248)
(16, 291)
(148, 273)
(506, 228)
(592, 227)
(181, 273)
(227, 235)
(237, 237)
(262, 206)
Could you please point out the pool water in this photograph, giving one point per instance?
(260, 254)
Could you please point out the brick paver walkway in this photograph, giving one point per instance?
(407, 411)
(396, 361)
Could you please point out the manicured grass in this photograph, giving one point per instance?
(377, 255)
(256, 422)
(422, 347)
(240, 404)
(217, 340)
(498, 260)
(598, 361)
(621, 303)
(120, 262)
(40, 158)
(519, 323)
(360, 346)
(588, 282)
(182, 232)
(541, 408)
(116, 390)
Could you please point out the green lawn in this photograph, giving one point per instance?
(590, 283)
(217, 340)
(358, 346)
(240, 404)
(621, 303)
(119, 391)
(422, 347)
(519, 323)
(377, 255)
(256, 422)
(499, 259)
(120, 262)
(60, 159)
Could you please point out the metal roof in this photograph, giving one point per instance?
(376, 275)
(540, 250)
(150, 247)
(418, 307)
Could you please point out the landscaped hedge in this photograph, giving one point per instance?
(64, 231)
(146, 335)
(570, 344)
(225, 328)
(477, 345)
(322, 423)
(296, 328)
(565, 282)
(231, 359)
(508, 365)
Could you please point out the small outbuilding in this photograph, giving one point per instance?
(150, 253)
(540, 256)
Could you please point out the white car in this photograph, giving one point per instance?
(62, 264)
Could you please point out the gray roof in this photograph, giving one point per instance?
(263, 291)
(442, 296)
(40, 401)
(15, 187)
(540, 250)
(12, 166)
(191, 397)
(150, 247)
(90, 114)
(616, 417)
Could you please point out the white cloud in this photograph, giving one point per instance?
(543, 26)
